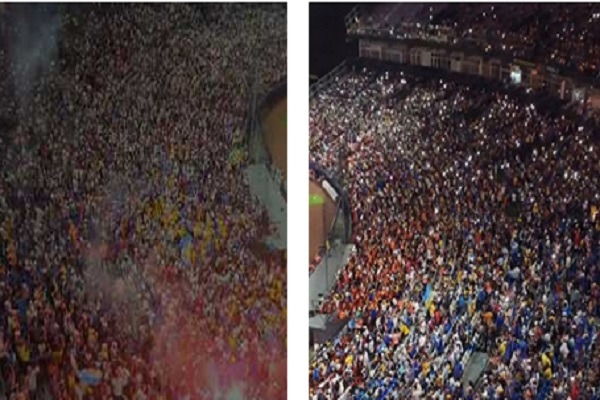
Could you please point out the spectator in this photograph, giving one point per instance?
(131, 251)
(476, 229)
(559, 35)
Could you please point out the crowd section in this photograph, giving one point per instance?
(476, 227)
(560, 35)
(132, 262)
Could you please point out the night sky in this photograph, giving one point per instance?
(327, 39)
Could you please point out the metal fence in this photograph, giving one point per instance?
(328, 79)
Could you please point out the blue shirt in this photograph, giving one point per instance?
(458, 370)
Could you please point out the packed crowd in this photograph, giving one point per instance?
(560, 35)
(475, 220)
(132, 262)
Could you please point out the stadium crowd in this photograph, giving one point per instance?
(559, 35)
(131, 256)
(476, 226)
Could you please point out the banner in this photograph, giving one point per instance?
(428, 292)
(90, 377)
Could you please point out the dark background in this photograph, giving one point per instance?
(327, 40)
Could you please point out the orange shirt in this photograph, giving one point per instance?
(487, 317)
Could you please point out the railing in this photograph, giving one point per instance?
(411, 32)
(442, 59)
(343, 203)
(327, 79)
(351, 18)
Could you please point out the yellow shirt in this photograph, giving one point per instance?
(349, 360)
(502, 348)
(71, 381)
(181, 229)
(425, 368)
(24, 352)
(222, 228)
(73, 231)
(472, 308)
(404, 329)
(57, 356)
(546, 363)
(232, 343)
